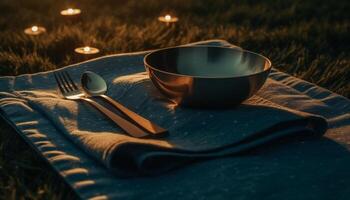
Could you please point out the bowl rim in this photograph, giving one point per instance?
(206, 77)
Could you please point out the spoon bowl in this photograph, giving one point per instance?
(94, 85)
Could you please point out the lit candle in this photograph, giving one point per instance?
(34, 30)
(70, 12)
(87, 50)
(168, 19)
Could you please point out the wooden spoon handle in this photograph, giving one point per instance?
(127, 126)
(141, 121)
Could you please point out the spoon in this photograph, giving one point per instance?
(94, 85)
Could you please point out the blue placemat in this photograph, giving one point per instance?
(307, 169)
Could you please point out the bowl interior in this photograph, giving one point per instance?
(204, 61)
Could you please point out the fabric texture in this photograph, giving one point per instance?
(73, 137)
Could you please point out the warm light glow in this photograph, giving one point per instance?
(70, 10)
(35, 28)
(167, 17)
(86, 49)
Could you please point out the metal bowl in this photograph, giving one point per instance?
(207, 76)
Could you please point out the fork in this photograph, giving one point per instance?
(70, 91)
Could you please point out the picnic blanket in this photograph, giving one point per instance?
(74, 143)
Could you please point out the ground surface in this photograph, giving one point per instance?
(308, 39)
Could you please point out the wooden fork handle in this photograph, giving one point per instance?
(141, 121)
(127, 126)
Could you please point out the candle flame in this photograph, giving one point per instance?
(70, 10)
(167, 17)
(35, 28)
(86, 49)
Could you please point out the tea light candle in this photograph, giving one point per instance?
(168, 19)
(34, 30)
(70, 12)
(86, 50)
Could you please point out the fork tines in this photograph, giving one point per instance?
(65, 82)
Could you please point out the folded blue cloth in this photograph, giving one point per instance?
(67, 132)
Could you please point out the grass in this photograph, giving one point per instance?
(308, 39)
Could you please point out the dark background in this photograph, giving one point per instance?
(308, 39)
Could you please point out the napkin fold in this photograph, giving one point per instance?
(194, 134)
